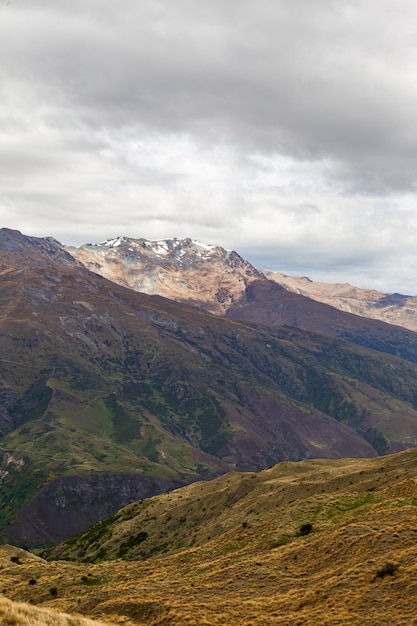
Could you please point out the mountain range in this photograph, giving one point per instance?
(109, 394)
(214, 279)
(394, 308)
(219, 281)
(185, 270)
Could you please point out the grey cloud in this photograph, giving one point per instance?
(313, 80)
(239, 122)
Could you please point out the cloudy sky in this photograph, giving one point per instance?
(283, 129)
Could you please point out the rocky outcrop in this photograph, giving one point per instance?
(184, 270)
(70, 504)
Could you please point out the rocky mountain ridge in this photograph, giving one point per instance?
(221, 282)
(394, 308)
(184, 270)
(215, 279)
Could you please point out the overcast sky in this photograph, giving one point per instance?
(283, 129)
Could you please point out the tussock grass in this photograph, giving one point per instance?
(248, 563)
(22, 614)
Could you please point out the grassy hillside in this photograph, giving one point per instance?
(107, 380)
(315, 542)
(108, 396)
(23, 614)
(273, 503)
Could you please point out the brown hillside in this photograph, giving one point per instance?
(108, 395)
(394, 308)
(267, 302)
(252, 560)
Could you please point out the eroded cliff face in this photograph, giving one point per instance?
(70, 504)
(215, 279)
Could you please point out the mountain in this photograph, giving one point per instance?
(315, 542)
(184, 270)
(274, 503)
(394, 308)
(267, 302)
(221, 282)
(108, 396)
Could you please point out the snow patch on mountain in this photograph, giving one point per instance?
(186, 270)
(112, 243)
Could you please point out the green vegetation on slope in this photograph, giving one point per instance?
(98, 379)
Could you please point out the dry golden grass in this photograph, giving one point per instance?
(22, 614)
(256, 569)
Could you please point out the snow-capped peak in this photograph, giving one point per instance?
(206, 246)
(112, 243)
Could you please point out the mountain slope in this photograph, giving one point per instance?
(184, 521)
(184, 270)
(395, 308)
(266, 302)
(108, 395)
(26, 615)
(98, 378)
(315, 542)
(221, 282)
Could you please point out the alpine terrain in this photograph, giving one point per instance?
(184, 270)
(109, 395)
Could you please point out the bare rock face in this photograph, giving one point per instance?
(393, 308)
(180, 269)
(70, 504)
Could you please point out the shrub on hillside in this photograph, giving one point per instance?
(388, 569)
(15, 559)
(305, 529)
